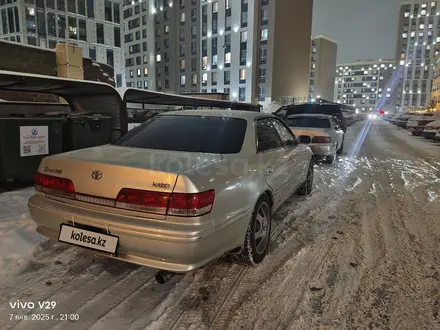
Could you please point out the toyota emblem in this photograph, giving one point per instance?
(97, 175)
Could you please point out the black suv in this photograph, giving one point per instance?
(313, 108)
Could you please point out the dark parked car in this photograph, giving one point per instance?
(313, 108)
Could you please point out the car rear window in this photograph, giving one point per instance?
(218, 135)
(309, 122)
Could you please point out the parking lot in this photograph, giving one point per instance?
(361, 252)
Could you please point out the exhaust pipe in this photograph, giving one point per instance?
(164, 276)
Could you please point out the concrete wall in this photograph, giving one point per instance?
(290, 30)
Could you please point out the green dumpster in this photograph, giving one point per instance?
(85, 131)
(24, 142)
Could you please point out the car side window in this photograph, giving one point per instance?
(267, 136)
(286, 135)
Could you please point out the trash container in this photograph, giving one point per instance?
(24, 142)
(86, 130)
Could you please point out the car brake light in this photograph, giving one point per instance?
(54, 185)
(321, 139)
(143, 200)
(191, 205)
(178, 204)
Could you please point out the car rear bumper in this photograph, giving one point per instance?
(429, 134)
(138, 245)
(322, 149)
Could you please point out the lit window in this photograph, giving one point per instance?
(194, 79)
(182, 80)
(264, 33)
(313, 65)
(204, 62)
(182, 64)
(227, 58)
(167, 29)
(145, 84)
(215, 7)
(438, 39)
(406, 14)
(227, 4)
(138, 72)
(314, 50)
(242, 74)
(214, 59)
(182, 17)
(204, 78)
(422, 26)
(145, 72)
(243, 36)
(158, 58)
(413, 34)
(433, 4)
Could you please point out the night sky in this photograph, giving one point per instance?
(346, 20)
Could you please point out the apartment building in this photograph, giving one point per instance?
(162, 45)
(256, 50)
(366, 85)
(418, 37)
(219, 46)
(323, 59)
(93, 25)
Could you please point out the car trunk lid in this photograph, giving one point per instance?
(99, 174)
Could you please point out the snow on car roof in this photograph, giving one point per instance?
(218, 113)
(314, 115)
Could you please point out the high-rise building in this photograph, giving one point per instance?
(323, 59)
(252, 49)
(256, 50)
(161, 44)
(418, 37)
(93, 25)
(365, 85)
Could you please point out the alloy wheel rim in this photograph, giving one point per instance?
(261, 228)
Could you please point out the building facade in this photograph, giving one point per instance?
(418, 37)
(219, 46)
(162, 45)
(366, 85)
(93, 25)
(323, 59)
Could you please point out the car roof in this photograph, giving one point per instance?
(248, 115)
(314, 115)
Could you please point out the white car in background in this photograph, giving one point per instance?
(417, 124)
(431, 129)
(321, 133)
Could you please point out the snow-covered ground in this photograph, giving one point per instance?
(363, 252)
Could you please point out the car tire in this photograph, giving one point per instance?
(307, 186)
(330, 159)
(341, 149)
(254, 250)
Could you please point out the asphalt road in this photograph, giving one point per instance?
(363, 252)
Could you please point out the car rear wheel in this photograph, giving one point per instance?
(330, 159)
(341, 149)
(307, 187)
(257, 237)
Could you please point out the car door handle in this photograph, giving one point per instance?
(269, 171)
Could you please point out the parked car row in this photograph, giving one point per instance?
(426, 124)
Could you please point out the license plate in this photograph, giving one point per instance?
(88, 239)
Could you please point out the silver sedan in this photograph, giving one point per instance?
(320, 132)
(176, 192)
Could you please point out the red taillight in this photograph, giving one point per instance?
(54, 185)
(321, 139)
(186, 205)
(142, 200)
(190, 205)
